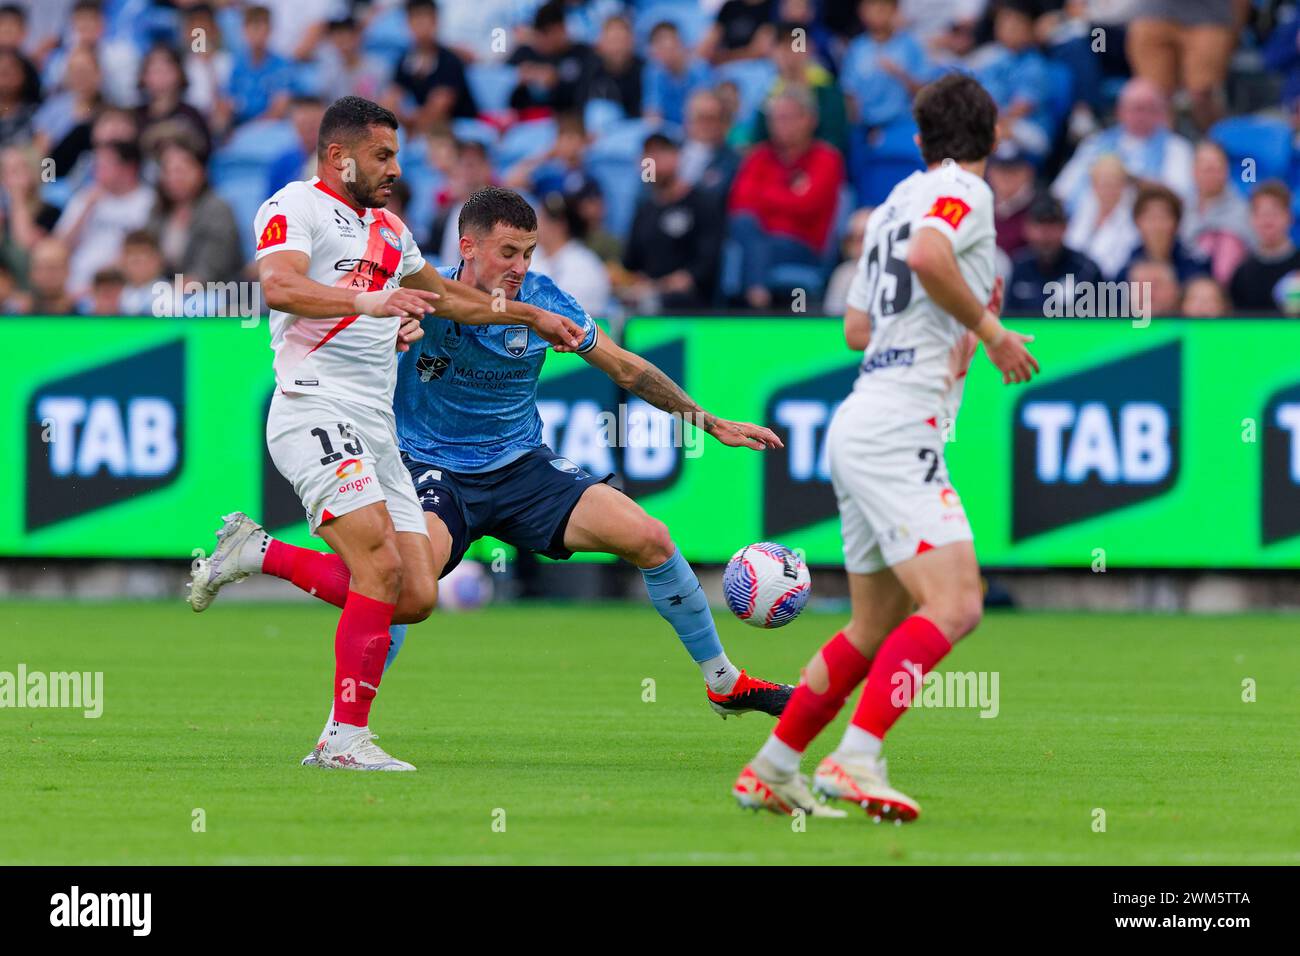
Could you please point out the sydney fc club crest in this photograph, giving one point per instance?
(431, 367)
(516, 340)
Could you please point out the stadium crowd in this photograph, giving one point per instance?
(684, 155)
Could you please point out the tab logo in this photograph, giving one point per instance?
(105, 434)
(1096, 441)
(1280, 512)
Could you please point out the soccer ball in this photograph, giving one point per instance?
(766, 584)
(467, 587)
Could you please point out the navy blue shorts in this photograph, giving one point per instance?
(526, 504)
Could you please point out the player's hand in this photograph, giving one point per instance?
(1006, 349)
(410, 333)
(563, 333)
(744, 435)
(399, 303)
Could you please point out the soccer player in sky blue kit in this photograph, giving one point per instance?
(471, 436)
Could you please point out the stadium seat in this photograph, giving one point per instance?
(753, 79)
(387, 36)
(1060, 94)
(1266, 141)
(524, 139)
(599, 114)
(880, 157)
(491, 84)
(620, 183)
(474, 131)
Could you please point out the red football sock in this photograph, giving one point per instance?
(319, 573)
(912, 648)
(360, 646)
(807, 712)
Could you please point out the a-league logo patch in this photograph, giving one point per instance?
(950, 209)
(516, 337)
(564, 465)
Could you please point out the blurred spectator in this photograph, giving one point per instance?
(1185, 45)
(208, 63)
(837, 289)
(551, 66)
(1255, 284)
(100, 214)
(118, 58)
(671, 76)
(1162, 294)
(796, 65)
(18, 100)
(47, 279)
(671, 254)
(742, 31)
(1157, 213)
(24, 218)
(143, 267)
(1141, 139)
(883, 67)
(13, 36)
(1046, 259)
(164, 114)
(707, 161)
(590, 203)
(1011, 177)
(946, 28)
(822, 41)
(615, 74)
(1015, 74)
(1204, 298)
(63, 123)
(471, 172)
(1101, 225)
(346, 69)
(298, 26)
(469, 27)
(561, 255)
(785, 195)
(400, 201)
(1217, 221)
(1282, 55)
(559, 169)
(106, 290)
(260, 81)
(430, 76)
(12, 300)
(299, 162)
(195, 227)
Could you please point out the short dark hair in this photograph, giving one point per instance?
(140, 237)
(1272, 189)
(89, 6)
(14, 10)
(1149, 193)
(492, 205)
(429, 5)
(348, 119)
(957, 119)
(549, 15)
(663, 26)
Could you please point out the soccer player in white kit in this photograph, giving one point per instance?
(925, 293)
(347, 287)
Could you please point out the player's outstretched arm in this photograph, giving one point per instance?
(467, 305)
(932, 259)
(857, 329)
(285, 287)
(646, 381)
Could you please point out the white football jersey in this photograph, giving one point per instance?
(916, 360)
(354, 357)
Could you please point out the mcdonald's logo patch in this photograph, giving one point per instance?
(950, 209)
(276, 232)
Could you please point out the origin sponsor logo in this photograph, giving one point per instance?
(1280, 468)
(355, 484)
(1096, 441)
(351, 466)
(105, 434)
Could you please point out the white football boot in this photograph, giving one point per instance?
(356, 752)
(761, 787)
(862, 780)
(241, 542)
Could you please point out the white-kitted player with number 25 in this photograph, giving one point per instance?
(924, 295)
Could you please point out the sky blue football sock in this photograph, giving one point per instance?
(676, 594)
(397, 635)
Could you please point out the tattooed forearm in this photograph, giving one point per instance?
(652, 385)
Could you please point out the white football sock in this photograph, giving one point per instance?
(860, 743)
(340, 734)
(780, 756)
(329, 722)
(252, 552)
(720, 674)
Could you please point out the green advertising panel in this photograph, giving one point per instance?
(1176, 445)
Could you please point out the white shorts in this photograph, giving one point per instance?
(891, 484)
(341, 456)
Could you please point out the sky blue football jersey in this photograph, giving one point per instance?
(466, 396)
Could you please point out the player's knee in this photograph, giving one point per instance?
(655, 545)
(380, 569)
(964, 613)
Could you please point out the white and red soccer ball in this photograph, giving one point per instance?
(766, 584)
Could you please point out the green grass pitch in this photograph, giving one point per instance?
(534, 716)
